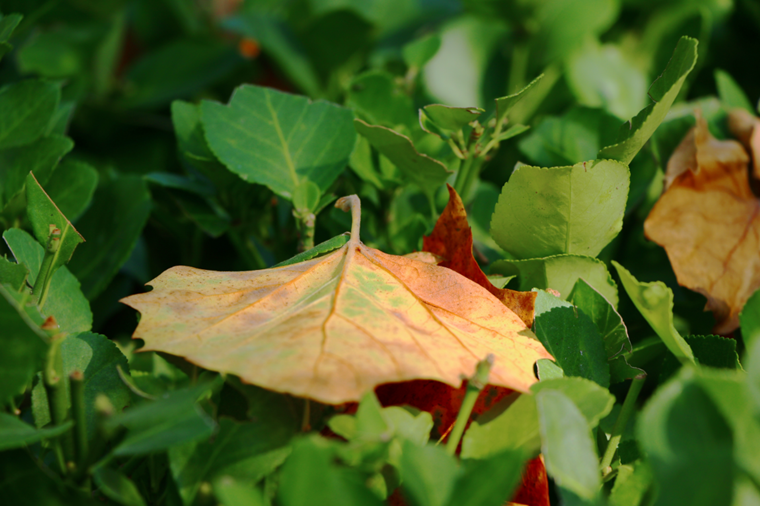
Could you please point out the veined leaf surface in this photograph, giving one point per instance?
(334, 327)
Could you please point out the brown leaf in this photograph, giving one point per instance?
(452, 239)
(334, 327)
(708, 221)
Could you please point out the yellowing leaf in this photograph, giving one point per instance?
(708, 221)
(334, 327)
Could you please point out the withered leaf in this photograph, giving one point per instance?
(708, 221)
(451, 239)
(334, 327)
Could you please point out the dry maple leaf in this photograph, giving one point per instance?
(708, 221)
(451, 239)
(334, 327)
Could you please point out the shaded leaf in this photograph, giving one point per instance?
(655, 303)
(418, 52)
(301, 328)
(8, 23)
(550, 211)
(451, 239)
(71, 187)
(711, 351)
(631, 484)
(730, 92)
(233, 492)
(65, 300)
(13, 274)
(117, 487)
(378, 99)
(428, 474)
(488, 482)
(750, 319)
(707, 221)
(26, 108)
(444, 121)
(604, 316)
(560, 273)
(278, 139)
(112, 223)
(634, 134)
(14, 433)
(505, 104)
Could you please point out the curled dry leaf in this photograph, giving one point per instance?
(334, 327)
(451, 239)
(708, 221)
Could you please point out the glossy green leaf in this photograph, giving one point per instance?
(551, 211)
(710, 350)
(23, 343)
(279, 140)
(560, 273)
(112, 224)
(40, 157)
(13, 274)
(117, 487)
(235, 445)
(655, 303)
(428, 474)
(505, 104)
(566, 444)
(65, 300)
(444, 121)
(749, 319)
(231, 492)
(422, 170)
(604, 316)
(688, 444)
(44, 214)
(15, 433)
(513, 422)
(379, 100)
(575, 342)
(26, 108)
(71, 187)
(488, 482)
(311, 477)
(730, 92)
(155, 426)
(418, 52)
(634, 134)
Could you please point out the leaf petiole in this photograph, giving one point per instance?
(629, 404)
(475, 384)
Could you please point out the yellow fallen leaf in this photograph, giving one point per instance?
(334, 327)
(708, 221)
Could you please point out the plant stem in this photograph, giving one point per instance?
(58, 397)
(76, 380)
(306, 222)
(472, 176)
(462, 175)
(475, 384)
(42, 284)
(629, 405)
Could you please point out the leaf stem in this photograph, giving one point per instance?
(305, 221)
(462, 175)
(45, 275)
(353, 204)
(76, 380)
(58, 395)
(629, 405)
(475, 384)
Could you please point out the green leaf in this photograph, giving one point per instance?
(730, 92)
(16, 434)
(279, 140)
(711, 351)
(422, 170)
(40, 157)
(575, 343)
(631, 484)
(8, 23)
(550, 211)
(428, 474)
(117, 487)
(688, 444)
(505, 104)
(12, 274)
(71, 187)
(236, 445)
(488, 482)
(749, 318)
(23, 343)
(26, 108)
(663, 92)
(655, 303)
(378, 99)
(604, 316)
(231, 492)
(418, 52)
(53, 54)
(65, 300)
(156, 426)
(311, 477)
(306, 197)
(113, 222)
(566, 444)
(444, 121)
(318, 250)
(548, 369)
(560, 273)
(513, 422)
(512, 132)
(43, 213)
